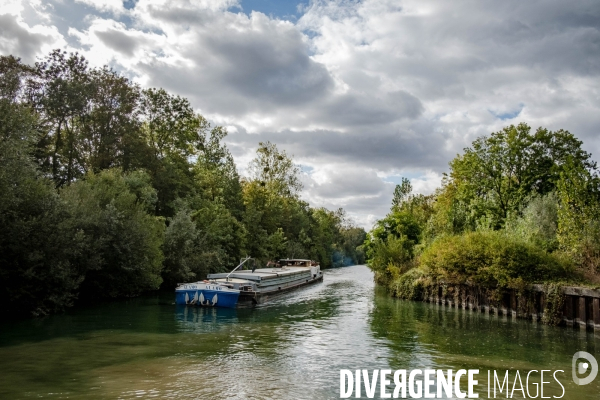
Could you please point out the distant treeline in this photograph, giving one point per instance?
(110, 190)
(517, 207)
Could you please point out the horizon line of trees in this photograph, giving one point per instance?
(517, 207)
(111, 190)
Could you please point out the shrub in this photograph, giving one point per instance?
(492, 258)
(391, 258)
(410, 285)
(539, 222)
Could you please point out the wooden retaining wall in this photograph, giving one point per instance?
(581, 306)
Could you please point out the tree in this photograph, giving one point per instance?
(121, 254)
(14, 74)
(273, 215)
(37, 273)
(109, 135)
(351, 244)
(325, 233)
(170, 125)
(89, 118)
(63, 101)
(497, 174)
(175, 134)
(401, 193)
(275, 170)
(180, 249)
(216, 175)
(579, 216)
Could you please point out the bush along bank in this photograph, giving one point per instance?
(502, 235)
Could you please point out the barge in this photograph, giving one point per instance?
(246, 287)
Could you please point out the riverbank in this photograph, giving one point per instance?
(514, 228)
(550, 304)
(493, 272)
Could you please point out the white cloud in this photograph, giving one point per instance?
(11, 7)
(426, 184)
(357, 90)
(23, 39)
(113, 6)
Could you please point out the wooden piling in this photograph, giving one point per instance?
(596, 313)
(581, 306)
(513, 303)
(581, 318)
(568, 311)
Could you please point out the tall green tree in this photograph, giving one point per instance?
(271, 203)
(37, 272)
(109, 135)
(275, 170)
(401, 193)
(216, 175)
(495, 176)
(579, 216)
(62, 98)
(121, 252)
(175, 134)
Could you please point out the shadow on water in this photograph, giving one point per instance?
(154, 313)
(144, 313)
(110, 349)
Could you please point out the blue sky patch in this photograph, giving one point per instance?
(282, 9)
(306, 169)
(129, 4)
(397, 179)
(508, 114)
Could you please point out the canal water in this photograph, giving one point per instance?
(291, 348)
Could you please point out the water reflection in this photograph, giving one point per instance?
(203, 319)
(433, 336)
(292, 347)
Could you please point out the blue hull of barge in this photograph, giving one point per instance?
(204, 297)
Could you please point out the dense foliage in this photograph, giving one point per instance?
(517, 207)
(491, 259)
(110, 190)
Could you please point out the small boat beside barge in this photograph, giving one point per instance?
(247, 287)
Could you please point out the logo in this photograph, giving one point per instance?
(583, 367)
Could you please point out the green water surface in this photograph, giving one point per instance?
(291, 348)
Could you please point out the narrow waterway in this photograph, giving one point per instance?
(291, 348)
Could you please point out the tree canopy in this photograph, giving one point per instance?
(498, 172)
(111, 190)
(516, 207)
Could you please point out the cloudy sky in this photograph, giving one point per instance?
(360, 92)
